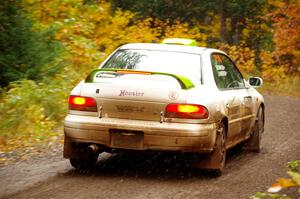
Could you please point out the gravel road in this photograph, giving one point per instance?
(163, 175)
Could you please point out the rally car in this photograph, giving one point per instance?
(172, 96)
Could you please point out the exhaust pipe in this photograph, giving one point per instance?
(93, 148)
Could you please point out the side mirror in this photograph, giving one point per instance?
(255, 81)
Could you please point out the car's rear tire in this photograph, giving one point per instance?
(218, 156)
(215, 161)
(86, 163)
(254, 142)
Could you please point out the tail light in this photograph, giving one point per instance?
(80, 103)
(186, 111)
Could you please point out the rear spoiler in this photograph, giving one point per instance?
(184, 82)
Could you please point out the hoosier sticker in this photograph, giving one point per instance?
(124, 93)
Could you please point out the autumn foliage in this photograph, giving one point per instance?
(62, 40)
(286, 36)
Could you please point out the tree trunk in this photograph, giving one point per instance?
(233, 29)
(223, 31)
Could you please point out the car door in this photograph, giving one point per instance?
(230, 90)
(248, 112)
(237, 84)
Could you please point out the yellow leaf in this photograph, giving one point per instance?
(285, 182)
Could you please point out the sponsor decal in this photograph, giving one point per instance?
(105, 75)
(124, 93)
(130, 109)
(173, 95)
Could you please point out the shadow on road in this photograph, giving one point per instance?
(156, 165)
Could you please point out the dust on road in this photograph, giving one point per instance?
(164, 175)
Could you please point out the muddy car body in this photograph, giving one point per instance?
(164, 98)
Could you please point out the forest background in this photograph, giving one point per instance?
(48, 46)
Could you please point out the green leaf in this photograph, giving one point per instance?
(295, 176)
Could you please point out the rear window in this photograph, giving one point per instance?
(179, 63)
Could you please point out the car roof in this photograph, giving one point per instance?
(164, 47)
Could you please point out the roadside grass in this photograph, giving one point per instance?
(287, 87)
(31, 115)
(22, 147)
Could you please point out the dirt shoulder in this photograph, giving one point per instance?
(161, 175)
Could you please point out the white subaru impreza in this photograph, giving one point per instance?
(164, 97)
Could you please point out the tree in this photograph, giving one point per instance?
(233, 16)
(183, 10)
(286, 21)
(23, 52)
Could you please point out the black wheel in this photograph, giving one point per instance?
(254, 142)
(87, 163)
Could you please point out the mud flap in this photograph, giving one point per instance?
(67, 149)
(72, 152)
(216, 159)
(254, 142)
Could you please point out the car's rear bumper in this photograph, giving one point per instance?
(153, 135)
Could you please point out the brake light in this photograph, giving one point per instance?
(186, 111)
(80, 103)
